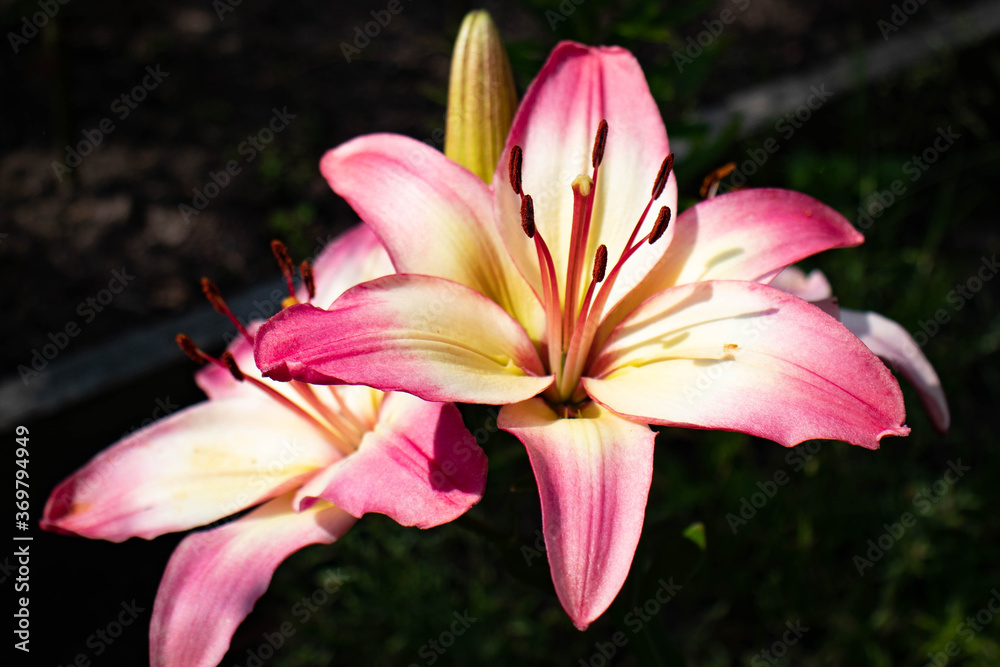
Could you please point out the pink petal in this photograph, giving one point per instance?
(741, 356)
(434, 216)
(814, 287)
(742, 235)
(593, 474)
(189, 469)
(215, 577)
(354, 257)
(420, 466)
(892, 343)
(427, 336)
(555, 126)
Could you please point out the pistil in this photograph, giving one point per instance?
(597, 275)
(584, 192)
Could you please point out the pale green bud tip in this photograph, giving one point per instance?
(481, 97)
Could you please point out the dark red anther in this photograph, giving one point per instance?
(711, 181)
(600, 142)
(528, 216)
(514, 169)
(190, 349)
(284, 260)
(230, 361)
(306, 271)
(214, 296)
(662, 176)
(660, 226)
(600, 263)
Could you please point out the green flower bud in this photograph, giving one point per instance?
(481, 97)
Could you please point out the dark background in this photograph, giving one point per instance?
(60, 241)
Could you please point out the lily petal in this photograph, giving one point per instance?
(593, 474)
(215, 577)
(812, 287)
(743, 235)
(428, 336)
(354, 257)
(555, 126)
(189, 469)
(420, 466)
(893, 343)
(741, 356)
(433, 215)
(886, 338)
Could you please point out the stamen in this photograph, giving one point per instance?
(190, 349)
(710, 185)
(214, 296)
(306, 271)
(528, 215)
(346, 411)
(600, 263)
(514, 169)
(227, 361)
(550, 284)
(600, 143)
(587, 324)
(285, 263)
(662, 176)
(349, 432)
(333, 436)
(550, 287)
(658, 185)
(230, 361)
(660, 226)
(195, 354)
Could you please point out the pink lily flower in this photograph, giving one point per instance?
(311, 462)
(512, 294)
(885, 337)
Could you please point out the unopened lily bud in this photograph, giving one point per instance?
(481, 97)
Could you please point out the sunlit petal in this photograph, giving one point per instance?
(420, 466)
(431, 337)
(215, 577)
(189, 469)
(747, 357)
(593, 475)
